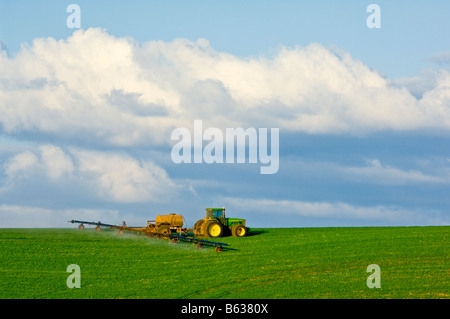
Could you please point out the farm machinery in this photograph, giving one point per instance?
(162, 226)
(215, 224)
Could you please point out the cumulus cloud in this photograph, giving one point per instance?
(105, 89)
(122, 178)
(114, 177)
(372, 172)
(94, 89)
(338, 210)
(67, 88)
(20, 164)
(376, 172)
(36, 217)
(441, 58)
(56, 162)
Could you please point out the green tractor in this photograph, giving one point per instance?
(215, 224)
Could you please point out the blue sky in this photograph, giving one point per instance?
(412, 31)
(364, 114)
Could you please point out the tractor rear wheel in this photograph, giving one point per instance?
(239, 231)
(214, 229)
(198, 228)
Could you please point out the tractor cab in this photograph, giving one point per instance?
(213, 213)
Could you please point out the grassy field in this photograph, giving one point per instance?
(269, 263)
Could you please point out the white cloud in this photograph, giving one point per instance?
(112, 176)
(441, 58)
(56, 162)
(122, 178)
(64, 88)
(37, 217)
(376, 172)
(338, 210)
(96, 89)
(102, 89)
(426, 81)
(20, 164)
(373, 172)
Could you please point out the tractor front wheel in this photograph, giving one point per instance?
(239, 231)
(214, 230)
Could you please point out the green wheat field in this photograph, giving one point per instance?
(270, 263)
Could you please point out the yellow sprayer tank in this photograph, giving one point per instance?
(173, 220)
